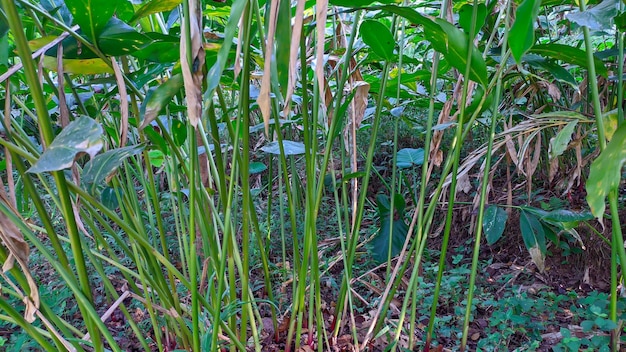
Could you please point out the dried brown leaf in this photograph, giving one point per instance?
(19, 251)
(264, 99)
(193, 78)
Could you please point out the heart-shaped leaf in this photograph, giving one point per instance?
(408, 157)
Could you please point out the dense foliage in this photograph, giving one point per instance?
(289, 175)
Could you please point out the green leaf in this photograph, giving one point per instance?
(587, 325)
(108, 197)
(290, 147)
(162, 48)
(566, 216)
(92, 15)
(561, 140)
(408, 157)
(598, 18)
(155, 6)
(283, 45)
(522, 35)
(432, 31)
(156, 157)
(456, 53)
(179, 132)
(534, 237)
(378, 37)
(58, 10)
(158, 98)
(4, 24)
(605, 173)
(215, 72)
(106, 164)
(361, 3)
(257, 167)
(379, 245)
(568, 54)
(494, 223)
(118, 38)
(465, 17)
(83, 135)
(557, 71)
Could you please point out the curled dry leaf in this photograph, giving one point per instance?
(192, 71)
(19, 251)
(264, 95)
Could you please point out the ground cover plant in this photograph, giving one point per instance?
(302, 175)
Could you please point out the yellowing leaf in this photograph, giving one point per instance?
(78, 66)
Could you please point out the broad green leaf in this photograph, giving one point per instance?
(465, 17)
(568, 54)
(162, 48)
(379, 245)
(598, 18)
(432, 31)
(561, 140)
(156, 157)
(92, 15)
(408, 157)
(257, 167)
(522, 35)
(118, 38)
(290, 147)
(534, 237)
(494, 223)
(83, 135)
(567, 220)
(155, 6)
(378, 37)
(158, 98)
(108, 197)
(58, 10)
(605, 173)
(103, 165)
(457, 50)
